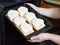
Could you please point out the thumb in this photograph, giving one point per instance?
(34, 38)
(33, 6)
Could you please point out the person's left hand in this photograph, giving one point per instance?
(39, 38)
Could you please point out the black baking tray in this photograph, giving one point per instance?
(43, 30)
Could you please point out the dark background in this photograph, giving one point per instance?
(10, 36)
(1, 23)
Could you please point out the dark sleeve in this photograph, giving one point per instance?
(35, 2)
(21, 1)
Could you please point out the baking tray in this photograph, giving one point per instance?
(43, 30)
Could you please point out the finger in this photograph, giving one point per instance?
(36, 40)
(34, 37)
(29, 40)
(33, 6)
(30, 4)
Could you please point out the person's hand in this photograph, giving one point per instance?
(39, 38)
(40, 10)
(48, 12)
(35, 7)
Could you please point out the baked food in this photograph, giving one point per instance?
(30, 16)
(38, 24)
(22, 11)
(12, 14)
(18, 21)
(26, 29)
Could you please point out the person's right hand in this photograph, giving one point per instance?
(48, 12)
(38, 9)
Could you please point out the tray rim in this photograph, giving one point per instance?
(45, 19)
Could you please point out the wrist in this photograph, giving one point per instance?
(48, 36)
(45, 36)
